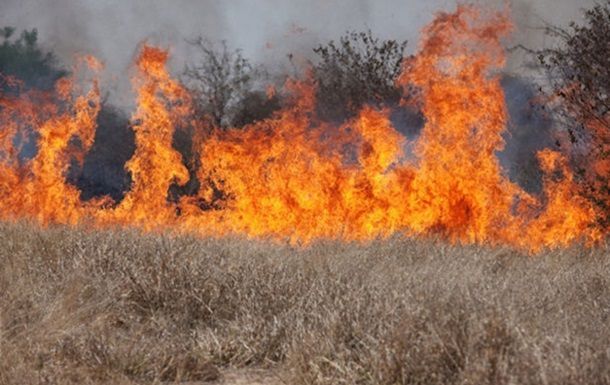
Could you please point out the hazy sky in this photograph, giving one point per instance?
(265, 29)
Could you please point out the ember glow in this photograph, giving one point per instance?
(289, 177)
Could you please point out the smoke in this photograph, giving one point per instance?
(290, 183)
(265, 29)
(531, 17)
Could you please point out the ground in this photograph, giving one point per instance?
(82, 306)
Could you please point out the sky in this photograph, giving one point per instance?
(266, 30)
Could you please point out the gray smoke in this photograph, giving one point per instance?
(265, 29)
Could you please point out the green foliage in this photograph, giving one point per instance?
(24, 60)
(360, 69)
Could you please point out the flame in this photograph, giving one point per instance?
(155, 165)
(65, 126)
(293, 177)
(459, 188)
(286, 179)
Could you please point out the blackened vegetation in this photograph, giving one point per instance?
(256, 105)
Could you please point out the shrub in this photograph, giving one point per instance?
(358, 70)
(579, 73)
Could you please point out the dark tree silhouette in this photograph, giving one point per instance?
(23, 60)
(359, 69)
(579, 72)
(223, 84)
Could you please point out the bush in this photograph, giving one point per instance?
(361, 69)
(579, 72)
(23, 60)
(223, 84)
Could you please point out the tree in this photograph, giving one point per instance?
(223, 83)
(361, 69)
(23, 60)
(102, 172)
(579, 73)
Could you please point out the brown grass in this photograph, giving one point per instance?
(120, 308)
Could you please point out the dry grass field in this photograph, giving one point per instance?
(118, 307)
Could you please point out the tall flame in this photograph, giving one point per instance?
(459, 188)
(162, 103)
(297, 178)
(65, 127)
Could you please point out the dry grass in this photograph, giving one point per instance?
(122, 308)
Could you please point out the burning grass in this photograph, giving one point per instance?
(121, 307)
(295, 176)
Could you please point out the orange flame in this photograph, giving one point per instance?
(37, 188)
(155, 164)
(294, 177)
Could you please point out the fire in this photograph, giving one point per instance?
(287, 179)
(155, 164)
(65, 125)
(459, 188)
(293, 177)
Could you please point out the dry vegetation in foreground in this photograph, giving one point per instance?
(117, 307)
